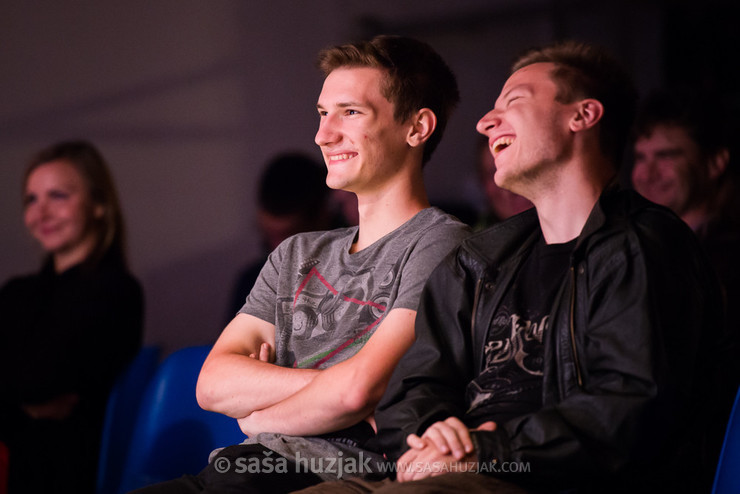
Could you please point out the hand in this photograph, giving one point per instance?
(58, 408)
(449, 436)
(265, 354)
(246, 424)
(428, 461)
(370, 419)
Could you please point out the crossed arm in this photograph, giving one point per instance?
(269, 398)
(234, 384)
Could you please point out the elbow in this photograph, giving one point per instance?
(360, 400)
(212, 394)
(204, 394)
(208, 393)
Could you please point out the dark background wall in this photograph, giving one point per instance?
(188, 100)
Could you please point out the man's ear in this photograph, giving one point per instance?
(588, 113)
(422, 127)
(718, 163)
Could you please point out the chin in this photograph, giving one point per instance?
(48, 246)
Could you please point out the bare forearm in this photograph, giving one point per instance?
(345, 393)
(238, 376)
(315, 409)
(237, 385)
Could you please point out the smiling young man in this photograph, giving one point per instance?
(560, 350)
(306, 360)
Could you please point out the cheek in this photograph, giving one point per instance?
(29, 217)
(368, 142)
(33, 213)
(672, 173)
(639, 174)
(78, 215)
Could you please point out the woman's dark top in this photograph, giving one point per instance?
(71, 332)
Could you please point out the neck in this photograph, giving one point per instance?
(383, 211)
(564, 207)
(696, 217)
(63, 260)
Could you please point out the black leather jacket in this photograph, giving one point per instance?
(622, 376)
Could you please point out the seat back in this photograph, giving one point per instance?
(120, 417)
(173, 435)
(727, 477)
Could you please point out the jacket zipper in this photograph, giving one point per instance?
(476, 299)
(572, 326)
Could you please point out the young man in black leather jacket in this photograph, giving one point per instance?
(566, 348)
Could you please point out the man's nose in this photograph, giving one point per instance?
(489, 121)
(327, 132)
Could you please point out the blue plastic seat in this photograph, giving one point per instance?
(173, 435)
(727, 477)
(120, 418)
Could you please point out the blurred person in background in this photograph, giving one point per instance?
(501, 204)
(68, 330)
(292, 198)
(683, 160)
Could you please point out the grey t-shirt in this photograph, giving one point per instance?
(326, 303)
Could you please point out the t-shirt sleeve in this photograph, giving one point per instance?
(262, 299)
(429, 249)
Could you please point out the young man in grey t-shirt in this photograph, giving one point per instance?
(308, 357)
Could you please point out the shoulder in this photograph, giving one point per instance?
(436, 225)
(433, 217)
(19, 285)
(638, 234)
(627, 215)
(427, 237)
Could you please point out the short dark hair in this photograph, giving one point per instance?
(696, 111)
(90, 164)
(416, 77)
(589, 71)
(293, 184)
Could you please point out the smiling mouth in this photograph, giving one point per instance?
(500, 144)
(48, 230)
(342, 157)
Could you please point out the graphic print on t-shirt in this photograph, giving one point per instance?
(516, 346)
(335, 317)
(511, 381)
(513, 357)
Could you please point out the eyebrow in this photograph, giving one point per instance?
(525, 87)
(344, 105)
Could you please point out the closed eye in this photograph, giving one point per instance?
(512, 99)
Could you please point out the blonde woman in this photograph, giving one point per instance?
(68, 330)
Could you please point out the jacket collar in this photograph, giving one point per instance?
(597, 218)
(512, 237)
